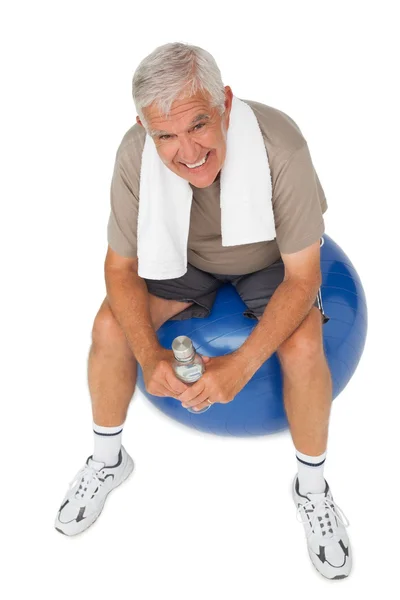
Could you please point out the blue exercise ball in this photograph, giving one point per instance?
(258, 408)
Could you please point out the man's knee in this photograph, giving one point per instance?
(106, 329)
(304, 347)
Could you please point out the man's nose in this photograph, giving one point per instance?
(189, 150)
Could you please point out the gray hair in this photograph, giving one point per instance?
(175, 71)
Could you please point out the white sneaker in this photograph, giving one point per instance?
(324, 523)
(88, 492)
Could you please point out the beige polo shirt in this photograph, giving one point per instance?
(297, 197)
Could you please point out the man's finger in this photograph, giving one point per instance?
(205, 404)
(177, 386)
(196, 400)
(192, 393)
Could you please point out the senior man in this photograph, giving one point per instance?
(185, 109)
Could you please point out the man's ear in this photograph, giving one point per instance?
(139, 121)
(228, 105)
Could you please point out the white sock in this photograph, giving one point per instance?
(311, 473)
(107, 444)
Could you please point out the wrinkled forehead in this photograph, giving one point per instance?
(183, 112)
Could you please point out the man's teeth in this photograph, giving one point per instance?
(197, 164)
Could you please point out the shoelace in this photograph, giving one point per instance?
(86, 476)
(323, 509)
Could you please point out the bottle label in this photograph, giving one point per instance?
(189, 374)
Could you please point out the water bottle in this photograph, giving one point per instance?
(188, 365)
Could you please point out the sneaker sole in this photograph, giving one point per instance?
(127, 471)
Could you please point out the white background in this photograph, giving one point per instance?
(202, 516)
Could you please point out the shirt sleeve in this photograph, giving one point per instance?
(298, 203)
(122, 223)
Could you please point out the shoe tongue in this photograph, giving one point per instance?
(315, 498)
(95, 464)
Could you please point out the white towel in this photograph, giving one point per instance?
(165, 199)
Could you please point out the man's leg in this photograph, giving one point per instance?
(306, 376)
(307, 385)
(307, 388)
(112, 378)
(112, 368)
(307, 392)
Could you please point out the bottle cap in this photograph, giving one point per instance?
(182, 347)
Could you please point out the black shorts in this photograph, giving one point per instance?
(199, 287)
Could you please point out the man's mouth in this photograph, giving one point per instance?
(199, 165)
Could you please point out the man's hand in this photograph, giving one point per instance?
(159, 376)
(221, 382)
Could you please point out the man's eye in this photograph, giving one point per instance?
(167, 136)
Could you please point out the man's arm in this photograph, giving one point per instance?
(288, 307)
(129, 301)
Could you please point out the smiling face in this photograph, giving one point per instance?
(193, 131)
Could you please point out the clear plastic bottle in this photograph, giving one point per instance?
(188, 365)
